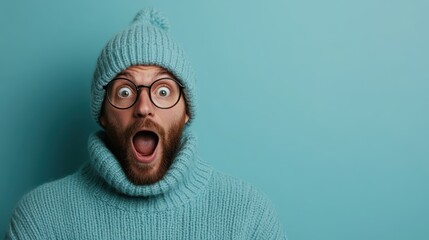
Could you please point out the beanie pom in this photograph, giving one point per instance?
(153, 17)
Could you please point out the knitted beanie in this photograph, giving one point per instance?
(146, 41)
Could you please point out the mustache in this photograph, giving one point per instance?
(147, 124)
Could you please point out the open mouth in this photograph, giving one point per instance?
(145, 143)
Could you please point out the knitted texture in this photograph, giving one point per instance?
(191, 202)
(146, 41)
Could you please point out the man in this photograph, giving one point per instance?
(144, 179)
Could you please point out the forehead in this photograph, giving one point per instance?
(144, 73)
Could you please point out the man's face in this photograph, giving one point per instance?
(144, 137)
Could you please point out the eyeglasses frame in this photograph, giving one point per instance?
(139, 87)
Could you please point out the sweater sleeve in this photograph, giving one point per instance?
(268, 225)
(24, 223)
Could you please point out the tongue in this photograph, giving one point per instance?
(145, 143)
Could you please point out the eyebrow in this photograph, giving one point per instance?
(163, 71)
(124, 74)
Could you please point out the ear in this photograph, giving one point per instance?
(102, 121)
(186, 118)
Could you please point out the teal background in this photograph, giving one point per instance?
(321, 104)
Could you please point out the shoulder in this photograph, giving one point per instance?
(241, 198)
(52, 191)
(37, 208)
(236, 187)
(49, 197)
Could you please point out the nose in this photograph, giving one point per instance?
(144, 106)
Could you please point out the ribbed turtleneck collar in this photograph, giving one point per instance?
(186, 177)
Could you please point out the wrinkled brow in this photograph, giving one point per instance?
(125, 75)
(163, 71)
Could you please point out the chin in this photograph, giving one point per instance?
(145, 173)
(145, 150)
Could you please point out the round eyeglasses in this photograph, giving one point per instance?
(164, 93)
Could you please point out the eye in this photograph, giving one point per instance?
(163, 92)
(125, 92)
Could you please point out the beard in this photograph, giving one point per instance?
(121, 145)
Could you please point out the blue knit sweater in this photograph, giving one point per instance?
(192, 201)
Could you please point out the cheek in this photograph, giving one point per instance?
(114, 118)
(180, 115)
(171, 119)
